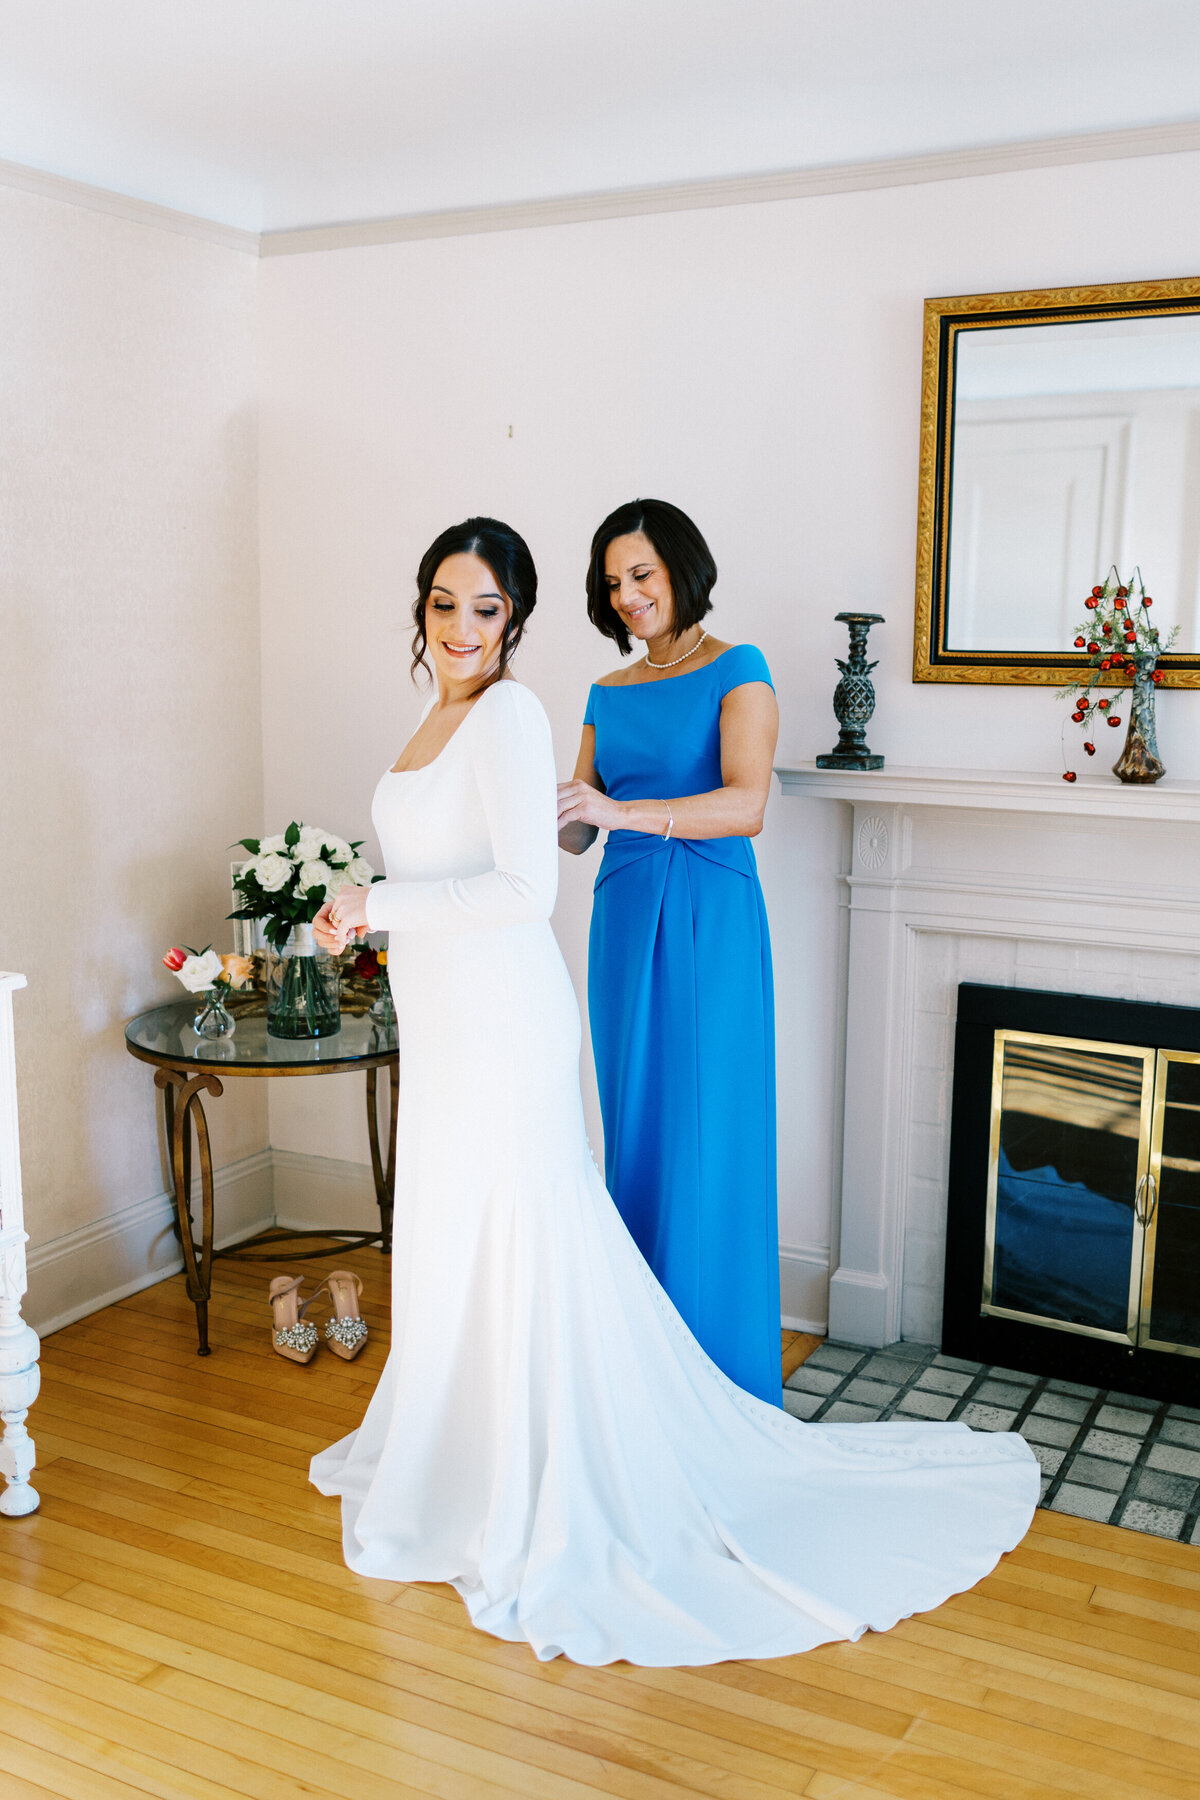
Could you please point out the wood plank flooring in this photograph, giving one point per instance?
(177, 1621)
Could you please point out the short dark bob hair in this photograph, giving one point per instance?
(683, 552)
(506, 554)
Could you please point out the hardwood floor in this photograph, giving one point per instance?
(177, 1621)
(797, 1346)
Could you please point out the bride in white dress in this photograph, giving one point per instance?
(546, 1434)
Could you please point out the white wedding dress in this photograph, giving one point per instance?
(546, 1434)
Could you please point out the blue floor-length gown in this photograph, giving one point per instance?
(683, 1025)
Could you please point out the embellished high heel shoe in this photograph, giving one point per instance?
(346, 1332)
(293, 1336)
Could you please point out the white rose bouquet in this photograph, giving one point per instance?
(290, 876)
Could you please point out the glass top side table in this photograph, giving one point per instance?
(186, 1067)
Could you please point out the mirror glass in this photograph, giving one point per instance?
(1075, 446)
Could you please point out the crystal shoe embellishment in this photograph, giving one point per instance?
(298, 1337)
(348, 1332)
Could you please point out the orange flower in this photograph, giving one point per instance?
(238, 970)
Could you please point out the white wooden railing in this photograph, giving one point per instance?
(19, 1347)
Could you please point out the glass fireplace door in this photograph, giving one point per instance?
(1170, 1310)
(1068, 1180)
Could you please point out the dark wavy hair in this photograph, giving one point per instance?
(682, 551)
(506, 554)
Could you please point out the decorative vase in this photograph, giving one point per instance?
(382, 1012)
(213, 1019)
(1139, 760)
(302, 989)
(854, 699)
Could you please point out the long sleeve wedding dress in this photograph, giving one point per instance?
(546, 1433)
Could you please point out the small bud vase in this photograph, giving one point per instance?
(382, 1011)
(1139, 761)
(213, 1019)
(302, 989)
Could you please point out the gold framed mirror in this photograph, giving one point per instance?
(1060, 435)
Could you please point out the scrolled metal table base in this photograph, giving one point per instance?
(183, 1114)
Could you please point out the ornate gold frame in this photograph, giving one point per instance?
(944, 319)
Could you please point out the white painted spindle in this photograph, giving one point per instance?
(19, 1347)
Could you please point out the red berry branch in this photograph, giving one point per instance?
(1119, 615)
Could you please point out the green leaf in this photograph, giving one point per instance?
(250, 844)
(291, 836)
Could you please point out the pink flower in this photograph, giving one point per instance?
(175, 959)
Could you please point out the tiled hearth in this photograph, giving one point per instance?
(1111, 1457)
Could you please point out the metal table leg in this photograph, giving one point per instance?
(183, 1111)
(384, 1173)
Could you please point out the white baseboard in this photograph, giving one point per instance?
(77, 1274)
(323, 1190)
(859, 1302)
(804, 1287)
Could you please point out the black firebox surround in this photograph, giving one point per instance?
(983, 1338)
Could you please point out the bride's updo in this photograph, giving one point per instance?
(506, 554)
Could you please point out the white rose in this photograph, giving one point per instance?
(199, 972)
(313, 875)
(360, 872)
(273, 846)
(338, 879)
(314, 843)
(273, 872)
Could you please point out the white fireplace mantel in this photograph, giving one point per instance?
(1008, 878)
(1099, 796)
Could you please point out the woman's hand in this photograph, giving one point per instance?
(340, 919)
(348, 912)
(326, 936)
(581, 804)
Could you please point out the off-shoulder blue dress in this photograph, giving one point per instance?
(683, 1024)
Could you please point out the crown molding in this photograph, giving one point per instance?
(620, 203)
(742, 190)
(126, 206)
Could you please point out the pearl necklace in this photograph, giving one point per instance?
(678, 659)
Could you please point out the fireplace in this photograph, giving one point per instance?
(1073, 1226)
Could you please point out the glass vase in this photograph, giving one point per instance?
(382, 1011)
(213, 1019)
(1139, 760)
(302, 989)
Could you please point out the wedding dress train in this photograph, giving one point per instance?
(546, 1434)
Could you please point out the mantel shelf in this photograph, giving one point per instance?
(998, 790)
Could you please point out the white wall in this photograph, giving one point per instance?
(129, 726)
(760, 366)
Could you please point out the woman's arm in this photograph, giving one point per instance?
(513, 759)
(749, 728)
(578, 836)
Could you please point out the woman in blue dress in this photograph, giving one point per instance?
(675, 764)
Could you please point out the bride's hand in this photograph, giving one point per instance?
(581, 804)
(348, 913)
(325, 933)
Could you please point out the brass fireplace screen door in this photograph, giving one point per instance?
(1093, 1206)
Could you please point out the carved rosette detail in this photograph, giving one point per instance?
(873, 843)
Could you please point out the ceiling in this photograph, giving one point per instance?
(274, 114)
